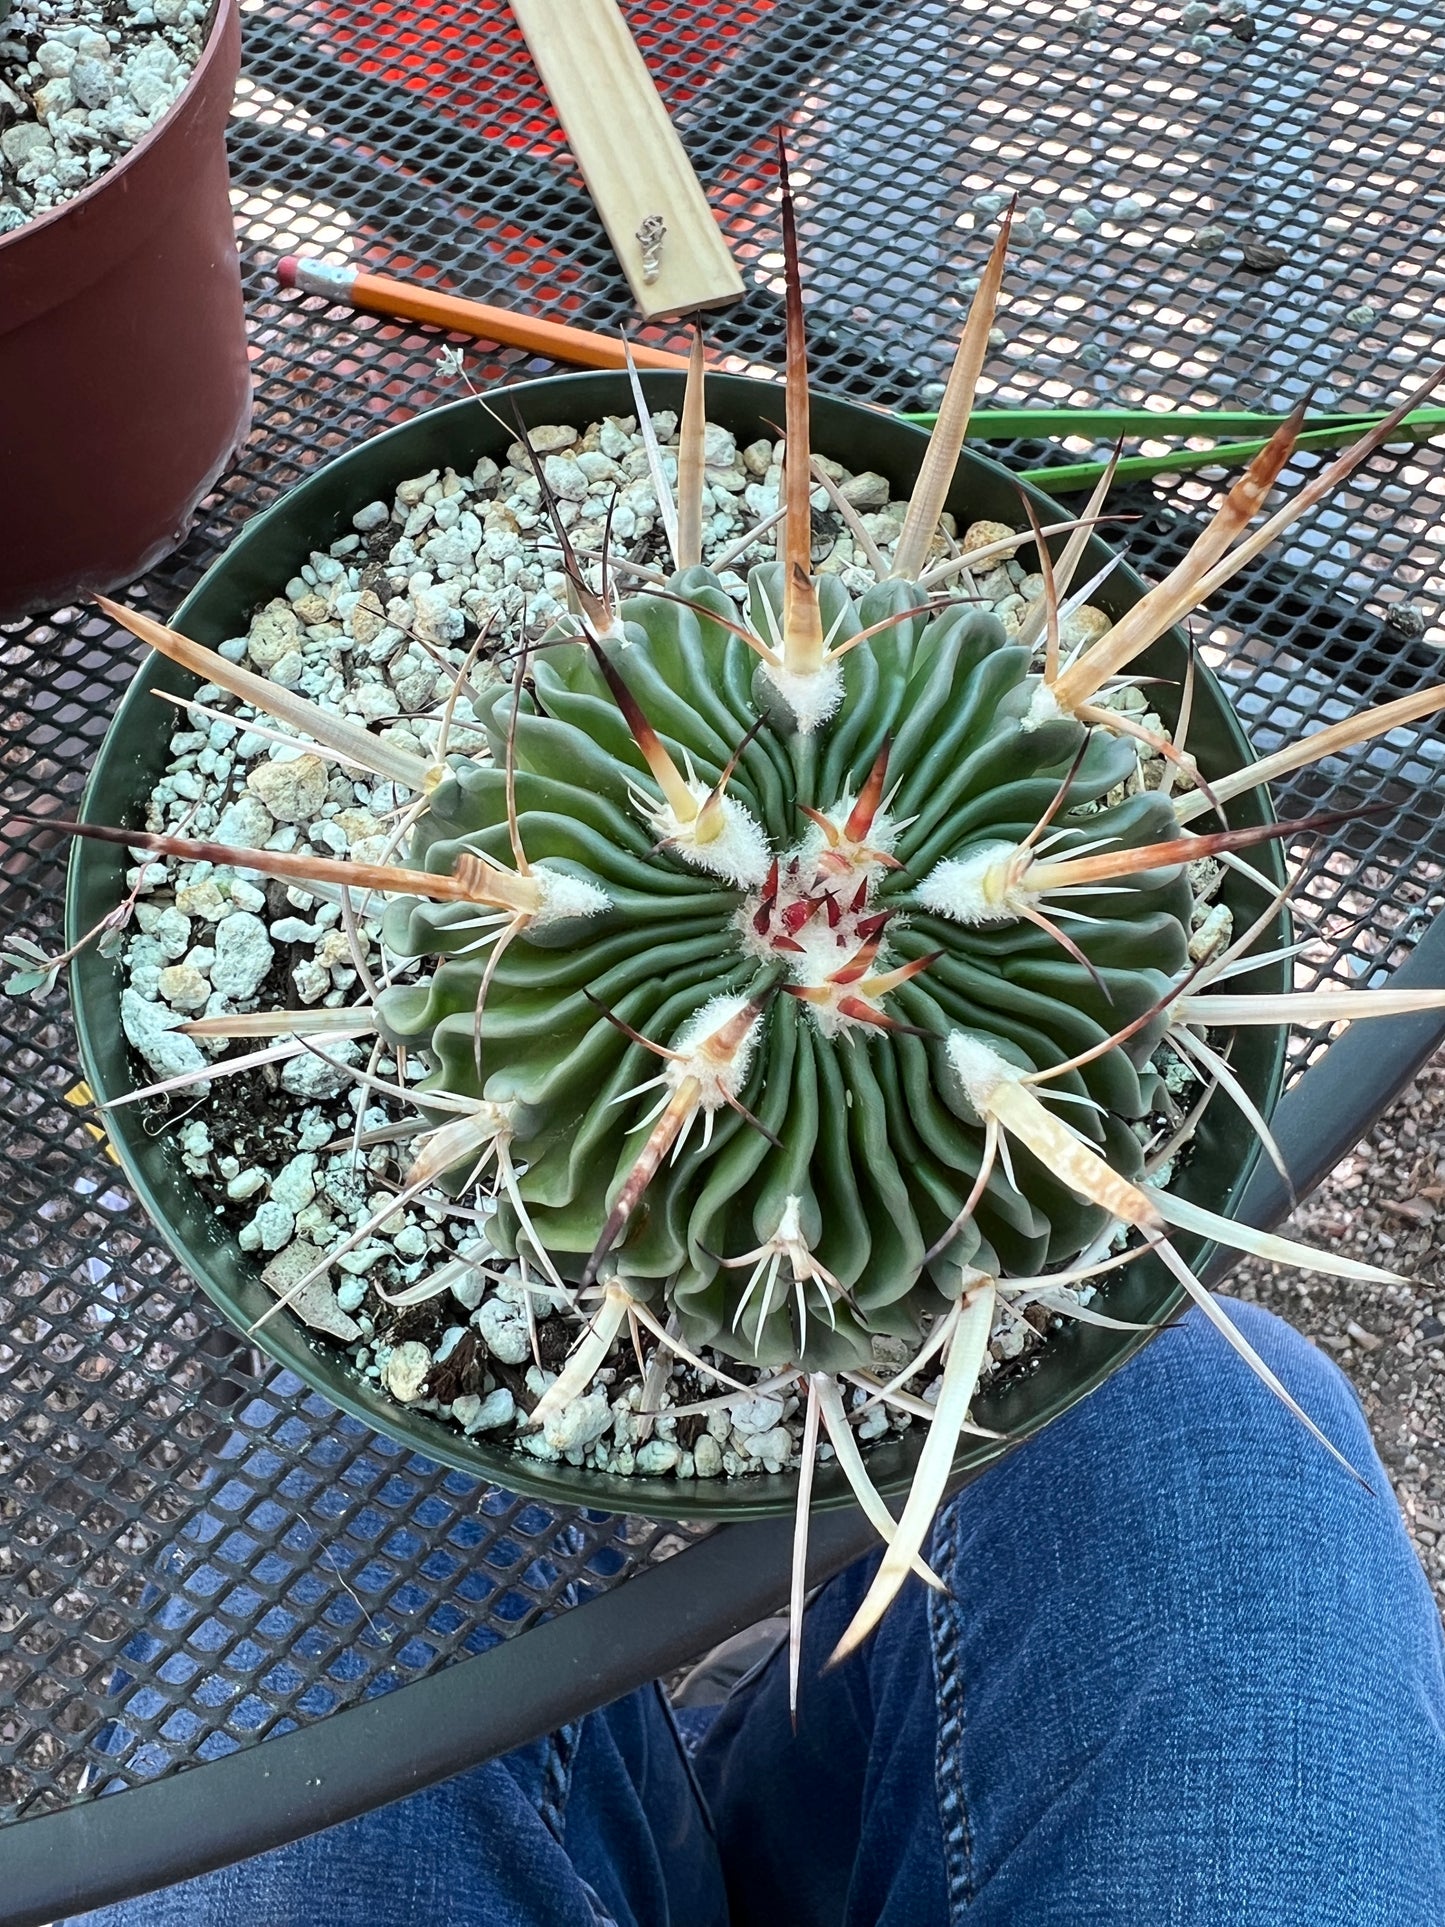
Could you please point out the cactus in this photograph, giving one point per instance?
(795, 967)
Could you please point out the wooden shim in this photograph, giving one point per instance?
(630, 156)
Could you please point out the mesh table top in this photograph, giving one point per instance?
(195, 1553)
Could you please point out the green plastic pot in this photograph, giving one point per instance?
(268, 552)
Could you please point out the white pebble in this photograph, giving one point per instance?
(271, 1227)
(243, 955)
(150, 1029)
(503, 1331)
(312, 1077)
(498, 1408)
(578, 1423)
(757, 1415)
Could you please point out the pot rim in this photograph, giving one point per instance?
(322, 1364)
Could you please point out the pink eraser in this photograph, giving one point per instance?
(286, 270)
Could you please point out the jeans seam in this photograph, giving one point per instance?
(557, 1779)
(552, 1806)
(953, 1813)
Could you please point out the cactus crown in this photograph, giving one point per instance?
(800, 959)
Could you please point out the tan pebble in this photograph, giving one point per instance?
(406, 1371)
(273, 634)
(409, 493)
(367, 620)
(52, 100)
(357, 823)
(979, 535)
(315, 1305)
(293, 792)
(204, 899)
(1086, 625)
(334, 949)
(183, 987)
(549, 438)
(866, 491)
(1212, 935)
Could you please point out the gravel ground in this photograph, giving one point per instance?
(1381, 1205)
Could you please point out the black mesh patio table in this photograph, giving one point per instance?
(229, 1614)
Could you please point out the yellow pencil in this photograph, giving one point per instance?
(404, 301)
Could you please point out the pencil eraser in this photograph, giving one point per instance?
(286, 269)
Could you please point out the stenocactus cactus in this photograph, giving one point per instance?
(800, 961)
(722, 1035)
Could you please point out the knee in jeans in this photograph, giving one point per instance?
(1194, 1349)
(1184, 1430)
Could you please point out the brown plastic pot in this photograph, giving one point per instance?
(124, 381)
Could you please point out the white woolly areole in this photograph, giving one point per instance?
(974, 889)
(567, 896)
(1044, 707)
(812, 698)
(790, 1225)
(718, 1078)
(740, 853)
(608, 627)
(980, 1068)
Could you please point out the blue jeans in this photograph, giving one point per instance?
(1189, 1675)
